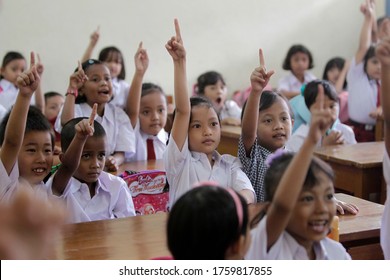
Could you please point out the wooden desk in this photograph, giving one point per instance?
(134, 238)
(357, 167)
(380, 129)
(360, 233)
(229, 140)
(144, 237)
(157, 164)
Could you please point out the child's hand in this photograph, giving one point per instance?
(335, 137)
(77, 79)
(377, 113)
(343, 207)
(29, 80)
(383, 52)
(321, 118)
(368, 8)
(175, 45)
(111, 165)
(95, 37)
(40, 67)
(85, 127)
(141, 60)
(260, 77)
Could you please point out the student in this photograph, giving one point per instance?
(30, 226)
(93, 81)
(194, 234)
(26, 140)
(191, 153)
(212, 85)
(383, 54)
(364, 82)
(338, 134)
(335, 72)
(298, 61)
(147, 110)
(89, 192)
(269, 132)
(53, 104)
(302, 206)
(114, 60)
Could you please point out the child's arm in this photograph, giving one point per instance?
(176, 49)
(39, 98)
(141, 61)
(14, 132)
(383, 54)
(92, 43)
(290, 185)
(259, 79)
(365, 34)
(76, 81)
(343, 75)
(70, 160)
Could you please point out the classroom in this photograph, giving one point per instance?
(165, 46)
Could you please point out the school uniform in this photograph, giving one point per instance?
(385, 227)
(159, 144)
(230, 110)
(185, 168)
(287, 248)
(362, 100)
(8, 94)
(119, 131)
(120, 89)
(298, 106)
(10, 183)
(112, 199)
(254, 166)
(3, 112)
(296, 140)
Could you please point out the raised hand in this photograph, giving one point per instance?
(28, 81)
(85, 127)
(40, 67)
(141, 59)
(368, 8)
(260, 77)
(175, 45)
(95, 37)
(321, 118)
(77, 79)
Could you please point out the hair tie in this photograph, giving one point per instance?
(303, 87)
(278, 153)
(238, 204)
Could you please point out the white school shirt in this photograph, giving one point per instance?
(112, 199)
(296, 140)
(291, 83)
(119, 131)
(8, 94)
(287, 248)
(230, 110)
(185, 168)
(10, 183)
(159, 143)
(362, 94)
(385, 227)
(120, 89)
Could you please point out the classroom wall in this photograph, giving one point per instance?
(222, 35)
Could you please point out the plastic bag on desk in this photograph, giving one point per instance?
(149, 190)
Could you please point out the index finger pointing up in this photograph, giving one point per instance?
(320, 97)
(261, 56)
(177, 29)
(80, 67)
(93, 114)
(32, 59)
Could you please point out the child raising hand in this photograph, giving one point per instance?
(302, 205)
(196, 131)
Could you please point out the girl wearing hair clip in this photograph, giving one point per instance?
(209, 222)
(302, 204)
(337, 134)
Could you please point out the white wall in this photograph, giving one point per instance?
(222, 35)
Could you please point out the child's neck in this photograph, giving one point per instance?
(100, 109)
(300, 77)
